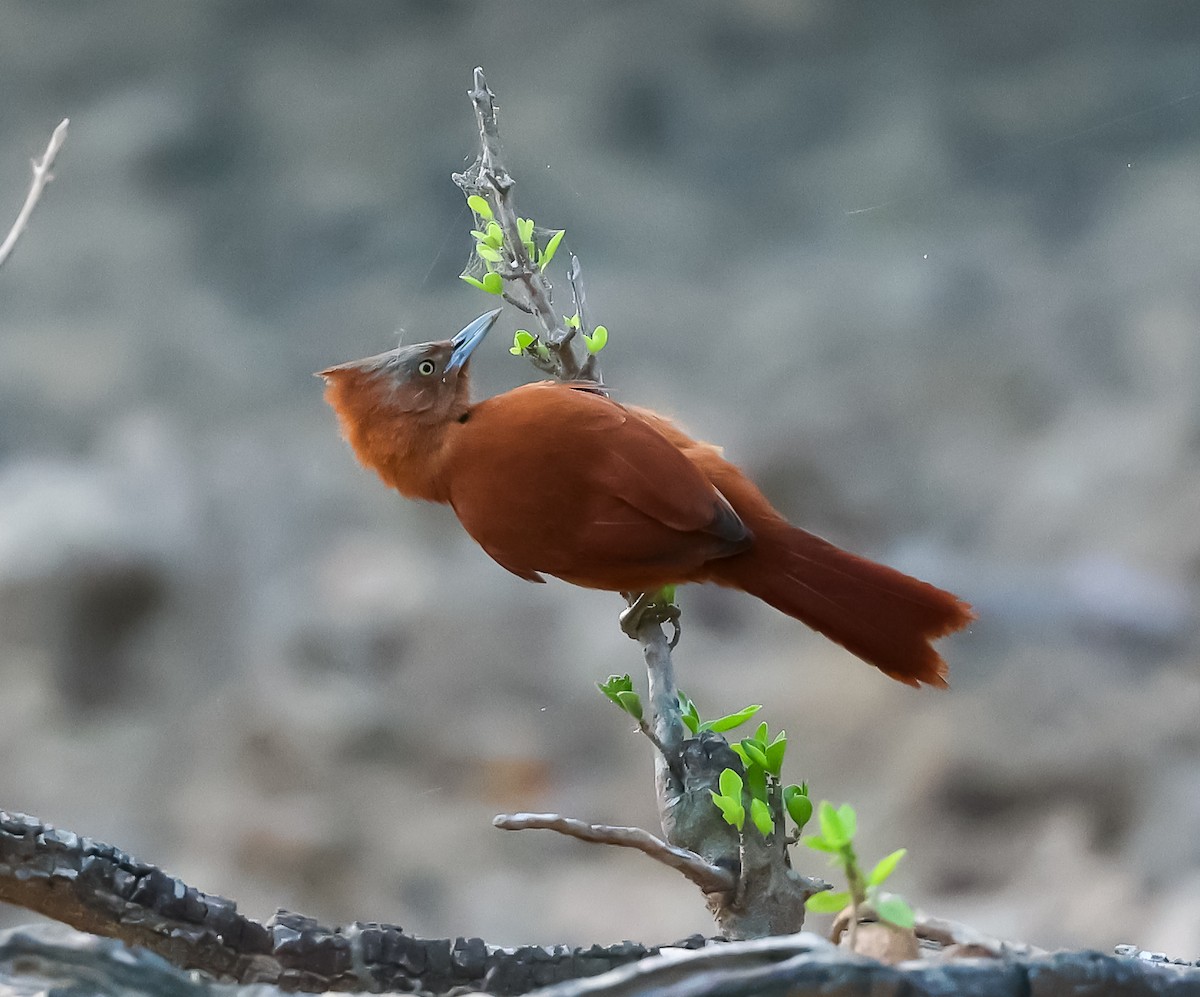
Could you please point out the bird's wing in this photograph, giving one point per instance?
(551, 479)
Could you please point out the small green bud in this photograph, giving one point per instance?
(798, 805)
(493, 283)
(480, 206)
(522, 340)
(597, 340)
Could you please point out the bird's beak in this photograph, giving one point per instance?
(465, 342)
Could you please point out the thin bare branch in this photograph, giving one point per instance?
(41, 177)
(710, 878)
(489, 178)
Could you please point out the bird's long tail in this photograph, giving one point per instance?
(885, 617)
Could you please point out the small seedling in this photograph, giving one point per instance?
(838, 826)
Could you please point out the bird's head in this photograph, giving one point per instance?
(428, 381)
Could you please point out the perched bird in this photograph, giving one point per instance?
(558, 479)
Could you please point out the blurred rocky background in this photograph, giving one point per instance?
(929, 272)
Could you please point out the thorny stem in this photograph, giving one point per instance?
(648, 731)
(41, 177)
(488, 177)
(590, 371)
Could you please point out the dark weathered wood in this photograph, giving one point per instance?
(36, 958)
(104, 891)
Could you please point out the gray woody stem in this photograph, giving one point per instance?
(710, 878)
(748, 881)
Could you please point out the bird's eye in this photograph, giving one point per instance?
(426, 367)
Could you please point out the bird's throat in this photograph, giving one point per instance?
(406, 449)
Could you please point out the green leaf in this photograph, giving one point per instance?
(597, 340)
(760, 735)
(473, 281)
(728, 722)
(756, 782)
(754, 752)
(690, 722)
(798, 806)
(522, 340)
(848, 819)
(731, 809)
(631, 703)
(737, 750)
(828, 902)
(730, 783)
(831, 825)
(761, 815)
(479, 236)
(571, 321)
(495, 235)
(687, 709)
(488, 253)
(895, 911)
(614, 683)
(480, 206)
(774, 753)
(885, 867)
(493, 283)
(525, 229)
(818, 843)
(551, 249)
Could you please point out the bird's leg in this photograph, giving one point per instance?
(651, 607)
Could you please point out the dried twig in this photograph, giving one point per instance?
(41, 177)
(710, 878)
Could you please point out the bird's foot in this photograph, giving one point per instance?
(651, 607)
